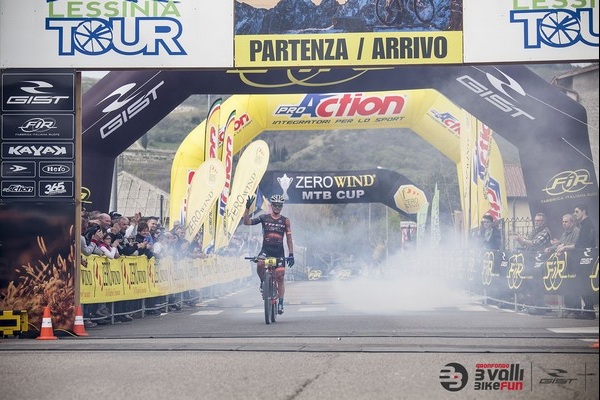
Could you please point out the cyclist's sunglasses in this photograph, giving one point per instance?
(277, 205)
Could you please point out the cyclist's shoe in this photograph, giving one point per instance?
(280, 308)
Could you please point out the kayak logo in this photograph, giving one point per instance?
(37, 151)
(129, 102)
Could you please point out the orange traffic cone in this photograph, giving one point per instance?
(46, 333)
(79, 327)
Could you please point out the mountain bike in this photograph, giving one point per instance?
(270, 287)
(391, 12)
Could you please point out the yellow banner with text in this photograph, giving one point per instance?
(348, 49)
(137, 277)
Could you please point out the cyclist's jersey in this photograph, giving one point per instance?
(274, 230)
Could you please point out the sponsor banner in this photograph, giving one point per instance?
(248, 172)
(204, 192)
(436, 233)
(116, 34)
(348, 49)
(41, 150)
(38, 254)
(37, 91)
(18, 169)
(212, 147)
(488, 176)
(137, 277)
(573, 271)
(18, 189)
(530, 31)
(339, 187)
(422, 225)
(49, 169)
(55, 189)
(347, 33)
(38, 126)
(227, 158)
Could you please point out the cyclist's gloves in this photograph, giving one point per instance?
(290, 260)
(249, 202)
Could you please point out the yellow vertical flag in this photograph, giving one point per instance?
(436, 234)
(204, 192)
(465, 168)
(211, 151)
(227, 159)
(248, 172)
(422, 224)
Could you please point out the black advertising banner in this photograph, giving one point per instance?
(339, 187)
(38, 206)
(38, 91)
(38, 273)
(573, 272)
(38, 135)
(548, 128)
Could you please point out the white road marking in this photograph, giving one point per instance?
(312, 309)
(472, 307)
(211, 312)
(585, 329)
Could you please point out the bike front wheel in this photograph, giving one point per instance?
(267, 297)
(424, 10)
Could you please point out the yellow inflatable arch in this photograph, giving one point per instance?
(448, 128)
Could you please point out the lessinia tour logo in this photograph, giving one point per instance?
(126, 27)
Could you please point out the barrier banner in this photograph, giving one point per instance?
(574, 272)
(137, 277)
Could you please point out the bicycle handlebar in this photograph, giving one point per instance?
(255, 259)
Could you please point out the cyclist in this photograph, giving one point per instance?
(274, 226)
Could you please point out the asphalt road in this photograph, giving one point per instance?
(355, 339)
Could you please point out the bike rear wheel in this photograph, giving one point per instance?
(267, 297)
(424, 10)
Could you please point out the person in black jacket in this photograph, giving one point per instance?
(587, 238)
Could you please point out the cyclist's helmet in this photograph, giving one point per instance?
(277, 200)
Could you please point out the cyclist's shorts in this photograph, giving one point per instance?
(271, 251)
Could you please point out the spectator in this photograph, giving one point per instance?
(587, 238)
(489, 234)
(567, 239)
(538, 240)
(108, 249)
(144, 240)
